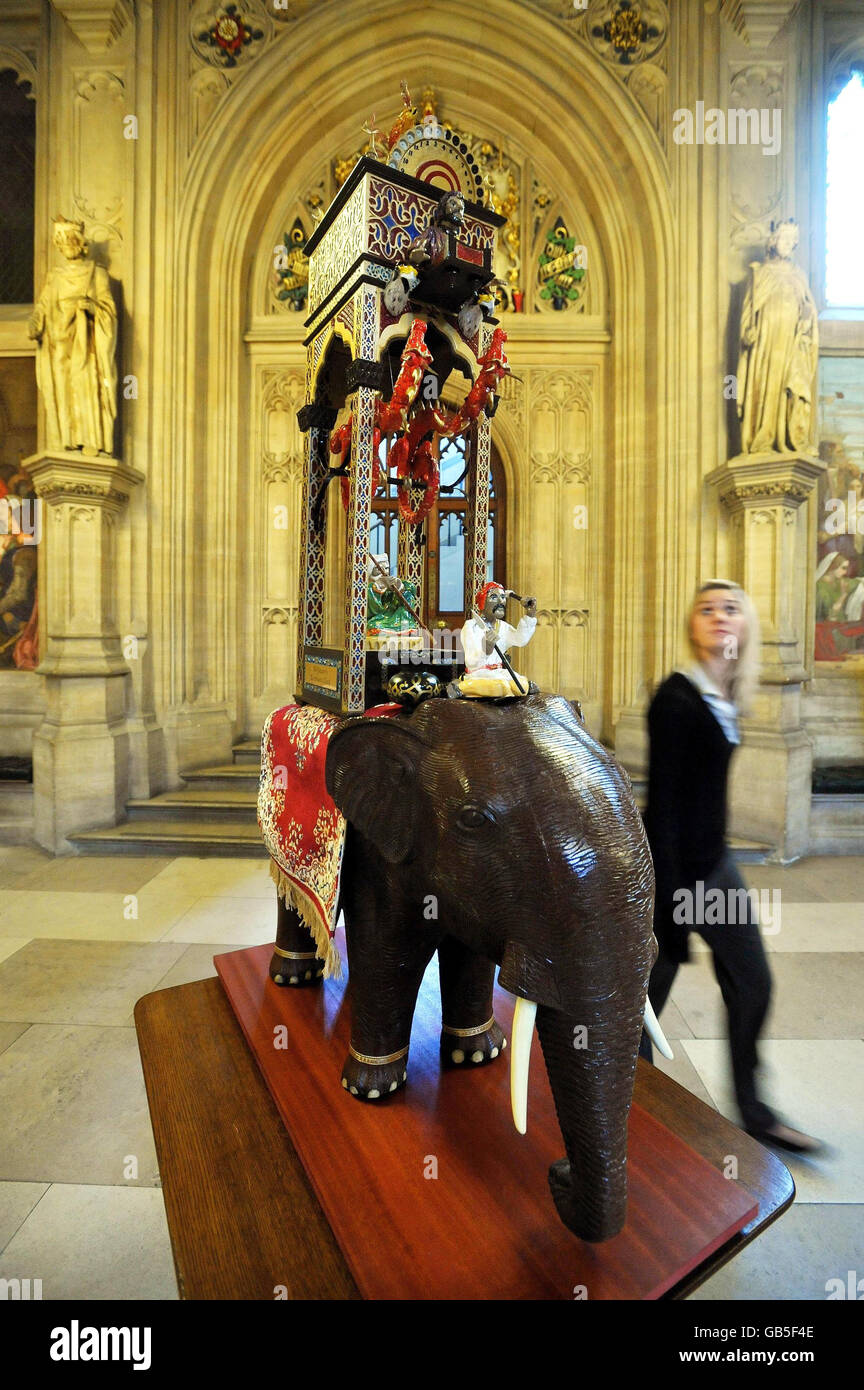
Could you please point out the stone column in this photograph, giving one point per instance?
(81, 751)
(772, 554)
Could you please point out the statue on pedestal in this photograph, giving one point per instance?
(778, 351)
(74, 323)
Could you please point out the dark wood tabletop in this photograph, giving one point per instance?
(243, 1217)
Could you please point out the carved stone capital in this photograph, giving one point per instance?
(64, 475)
(757, 22)
(766, 480)
(95, 23)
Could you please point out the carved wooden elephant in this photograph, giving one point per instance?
(523, 833)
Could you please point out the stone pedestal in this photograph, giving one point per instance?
(81, 750)
(772, 554)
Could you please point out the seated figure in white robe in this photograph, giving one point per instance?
(486, 676)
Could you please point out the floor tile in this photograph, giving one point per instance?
(86, 916)
(75, 1108)
(795, 881)
(217, 878)
(9, 1032)
(829, 877)
(673, 1022)
(816, 1086)
(97, 873)
(838, 877)
(818, 927)
(10, 944)
(794, 1258)
(95, 1243)
(17, 1200)
(682, 1070)
(196, 963)
(696, 995)
(85, 982)
(814, 995)
(234, 921)
(18, 861)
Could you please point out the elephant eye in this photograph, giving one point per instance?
(472, 818)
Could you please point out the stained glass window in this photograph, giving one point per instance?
(18, 133)
(844, 227)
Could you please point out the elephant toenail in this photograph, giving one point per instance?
(458, 1055)
(373, 1095)
(503, 1044)
(353, 1090)
(404, 1076)
(476, 1056)
(308, 975)
(345, 1083)
(494, 1052)
(278, 979)
(393, 1085)
(295, 979)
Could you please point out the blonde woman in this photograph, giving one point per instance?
(693, 727)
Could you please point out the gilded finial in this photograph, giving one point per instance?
(372, 130)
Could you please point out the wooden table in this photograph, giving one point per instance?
(243, 1218)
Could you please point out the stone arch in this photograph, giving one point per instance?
(302, 93)
(23, 67)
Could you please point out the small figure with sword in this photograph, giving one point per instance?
(390, 609)
(486, 638)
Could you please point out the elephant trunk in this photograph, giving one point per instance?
(592, 1065)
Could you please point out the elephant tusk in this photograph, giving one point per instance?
(655, 1032)
(520, 1060)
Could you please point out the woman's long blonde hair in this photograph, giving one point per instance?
(746, 677)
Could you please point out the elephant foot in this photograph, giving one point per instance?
(588, 1223)
(467, 1047)
(375, 1078)
(298, 968)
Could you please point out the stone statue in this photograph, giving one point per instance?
(778, 351)
(75, 325)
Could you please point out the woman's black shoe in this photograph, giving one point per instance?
(782, 1137)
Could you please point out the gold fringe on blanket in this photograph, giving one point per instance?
(293, 896)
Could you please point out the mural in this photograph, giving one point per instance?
(18, 570)
(19, 517)
(840, 526)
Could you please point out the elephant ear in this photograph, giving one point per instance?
(371, 773)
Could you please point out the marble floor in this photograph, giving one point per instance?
(82, 939)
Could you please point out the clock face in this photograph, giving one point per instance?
(440, 157)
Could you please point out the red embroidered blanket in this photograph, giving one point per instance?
(303, 831)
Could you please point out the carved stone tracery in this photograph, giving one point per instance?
(755, 181)
(23, 64)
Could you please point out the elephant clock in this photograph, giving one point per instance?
(502, 807)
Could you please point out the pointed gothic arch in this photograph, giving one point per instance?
(301, 98)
